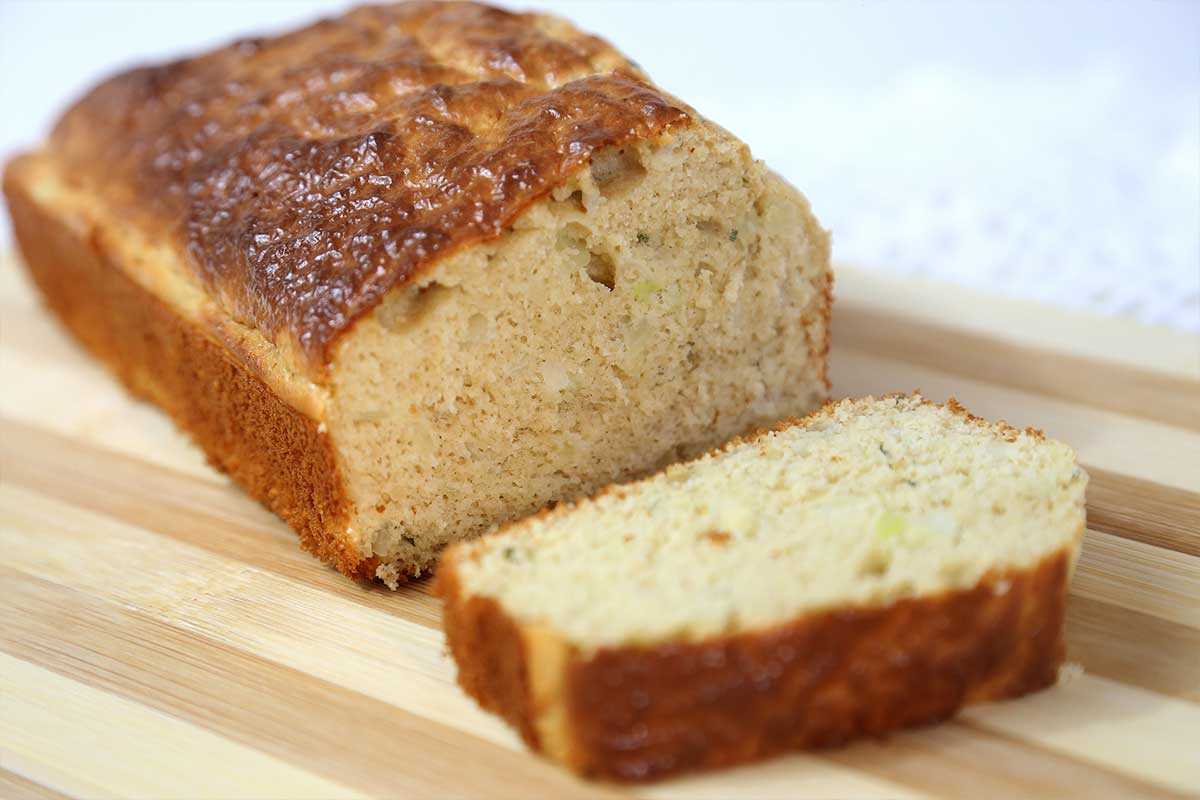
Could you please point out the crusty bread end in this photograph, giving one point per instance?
(643, 689)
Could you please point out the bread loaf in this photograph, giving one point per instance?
(873, 566)
(423, 268)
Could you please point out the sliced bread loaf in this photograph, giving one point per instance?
(420, 269)
(875, 565)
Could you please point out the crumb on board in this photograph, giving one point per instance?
(1070, 671)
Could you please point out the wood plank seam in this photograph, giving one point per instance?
(18, 787)
(58, 732)
(1120, 388)
(961, 760)
(260, 704)
(1147, 737)
(1148, 512)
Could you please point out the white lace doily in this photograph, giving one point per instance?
(1072, 193)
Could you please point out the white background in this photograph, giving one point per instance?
(1046, 150)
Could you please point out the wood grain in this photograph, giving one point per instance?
(60, 732)
(154, 615)
(1091, 381)
(15, 787)
(255, 702)
(1151, 580)
(945, 760)
(1136, 509)
(1114, 726)
(1134, 648)
(1044, 329)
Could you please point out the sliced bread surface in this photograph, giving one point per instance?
(874, 565)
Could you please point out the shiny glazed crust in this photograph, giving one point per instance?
(640, 713)
(278, 454)
(302, 177)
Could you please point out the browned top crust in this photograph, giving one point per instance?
(305, 175)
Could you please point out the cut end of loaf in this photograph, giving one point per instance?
(872, 566)
(864, 503)
(672, 295)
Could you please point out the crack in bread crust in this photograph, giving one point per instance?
(276, 453)
(643, 712)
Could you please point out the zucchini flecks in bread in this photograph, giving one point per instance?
(874, 565)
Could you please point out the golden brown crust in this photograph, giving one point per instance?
(303, 176)
(638, 713)
(279, 455)
(491, 656)
(821, 681)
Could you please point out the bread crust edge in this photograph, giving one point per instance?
(638, 713)
(279, 455)
(489, 648)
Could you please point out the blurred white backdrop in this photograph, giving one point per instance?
(1044, 150)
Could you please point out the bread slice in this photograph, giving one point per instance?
(873, 566)
(423, 268)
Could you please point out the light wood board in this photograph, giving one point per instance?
(161, 635)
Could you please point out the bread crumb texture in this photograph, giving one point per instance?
(619, 326)
(862, 504)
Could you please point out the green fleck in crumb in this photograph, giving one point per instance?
(643, 237)
(643, 290)
(510, 554)
(890, 525)
(733, 235)
(745, 181)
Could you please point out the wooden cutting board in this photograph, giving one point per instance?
(161, 635)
